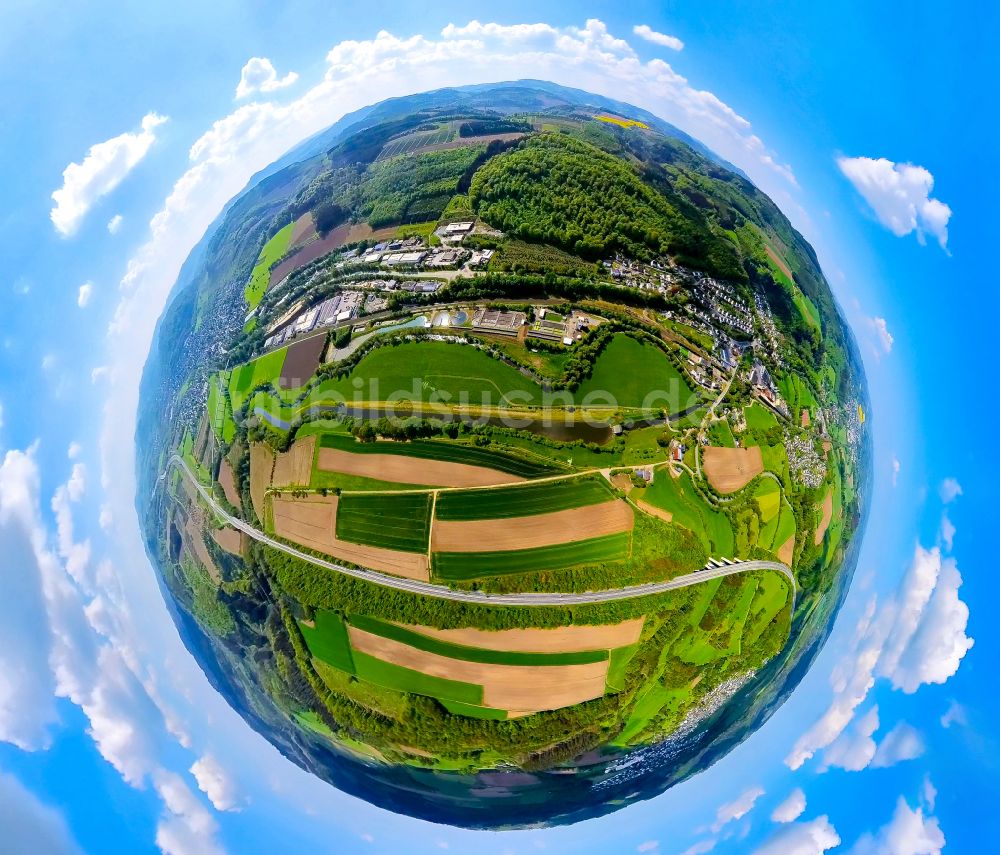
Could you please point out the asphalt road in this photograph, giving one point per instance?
(443, 592)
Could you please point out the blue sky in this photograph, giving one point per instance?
(870, 129)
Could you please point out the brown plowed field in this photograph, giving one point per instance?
(227, 479)
(666, 516)
(537, 530)
(310, 521)
(563, 639)
(824, 522)
(293, 468)
(411, 470)
(303, 230)
(779, 261)
(301, 361)
(347, 233)
(787, 551)
(229, 539)
(729, 469)
(196, 543)
(261, 467)
(525, 688)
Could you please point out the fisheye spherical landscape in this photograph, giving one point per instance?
(503, 455)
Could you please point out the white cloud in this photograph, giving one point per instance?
(737, 808)
(700, 848)
(791, 808)
(644, 31)
(84, 294)
(28, 824)
(882, 335)
(27, 709)
(186, 826)
(916, 637)
(801, 838)
(907, 833)
(74, 450)
(216, 783)
(928, 793)
(115, 224)
(258, 75)
(899, 194)
(947, 532)
(950, 490)
(101, 171)
(955, 714)
(895, 470)
(903, 742)
(648, 846)
(927, 641)
(854, 749)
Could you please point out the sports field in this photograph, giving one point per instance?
(637, 374)
(522, 501)
(271, 252)
(390, 520)
(462, 566)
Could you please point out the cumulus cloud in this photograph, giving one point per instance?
(909, 832)
(899, 194)
(216, 783)
(801, 838)
(854, 749)
(64, 628)
(955, 714)
(947, 532)
(737, 808)
(115, 224)
(84, 294)
(186, 826)
(791, 808)
(101, 171)
(644, 31)
(882, 335)
(916, 637)
(28, 824)
(903, 742)
(950, 490)
(27, 709)
(259, 75)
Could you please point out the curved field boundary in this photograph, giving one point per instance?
(404, 470)
(443, 592)
(448, 452)
(731, 469)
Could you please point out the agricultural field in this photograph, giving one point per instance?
(393, 521)
(272, 252)
(520, 501)
(264, 369)
(461, 566)
(430, 371)
(449, 452)
(637, 374)
(677, 497)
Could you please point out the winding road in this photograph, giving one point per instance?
(443, 592)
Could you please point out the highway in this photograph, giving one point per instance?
(443, 592)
